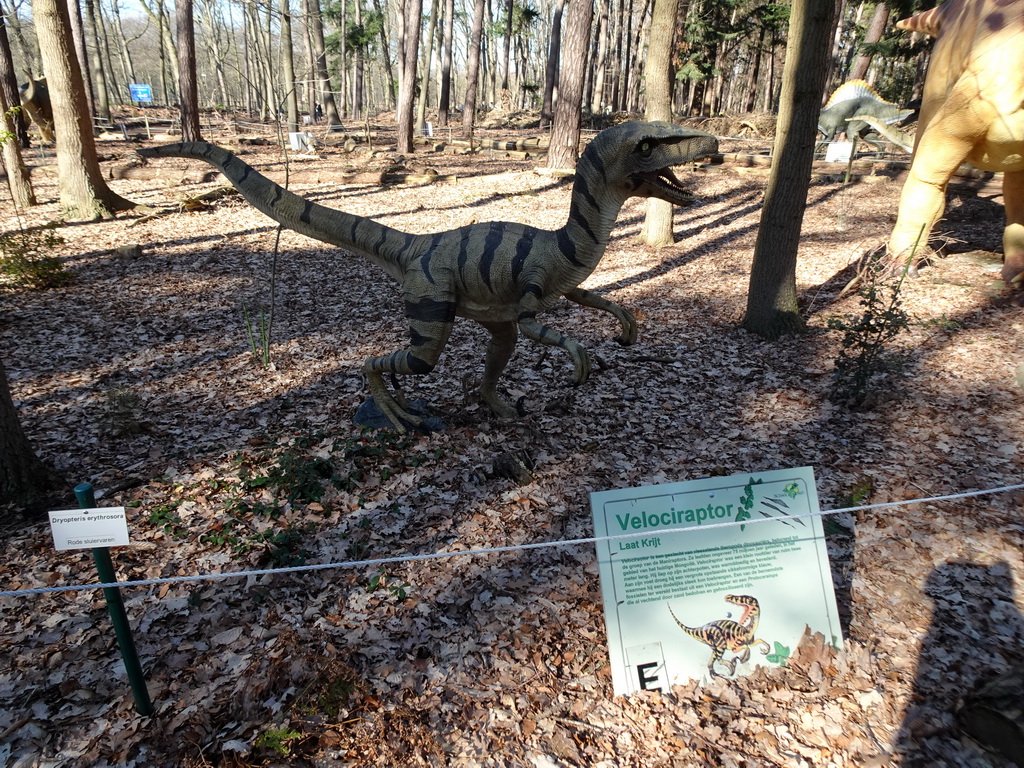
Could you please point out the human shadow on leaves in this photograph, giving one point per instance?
(975, 641)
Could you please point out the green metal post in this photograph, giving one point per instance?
(115, 606)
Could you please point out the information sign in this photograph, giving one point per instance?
(89, 528)
(699, 602)
(140, 92)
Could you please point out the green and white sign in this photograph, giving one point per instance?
(711, 577)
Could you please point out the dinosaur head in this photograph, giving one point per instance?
(635, 159)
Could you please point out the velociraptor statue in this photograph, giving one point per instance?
(500, 274)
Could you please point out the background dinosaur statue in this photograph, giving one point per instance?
(35, 99)
(901, 139)
(855, 98)
(972, 110)
(500, 274)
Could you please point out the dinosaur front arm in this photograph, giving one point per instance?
(624, 316)
(537, 331)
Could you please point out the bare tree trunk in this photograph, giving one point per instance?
(27, 53)
(316, 28)
(551, 71)
(358, 70)
(876, 27)
(565, 129)
(444, 98)
(600, 60)
(771, 301)
(386, 57)
(100, 91)
(188, 89)
(409, 44)
(506, 52)
(421, 105)
(17, 173)
(78, 36)
(83, 192)
(657, 229)
(473, 69)
(288, 66)
(9, 88)
(124, 54)
(24, 479)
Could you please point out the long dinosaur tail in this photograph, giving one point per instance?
(381, 244)
(691, 631)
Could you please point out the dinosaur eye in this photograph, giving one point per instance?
(645, 147)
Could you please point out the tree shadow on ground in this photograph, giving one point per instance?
(976, 634)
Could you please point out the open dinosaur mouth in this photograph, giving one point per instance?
(669, 185)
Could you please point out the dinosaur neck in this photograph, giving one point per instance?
(592, 212)
(383, 245)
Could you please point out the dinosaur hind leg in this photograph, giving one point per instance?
(430, 324)
(624, 316)
(1013, 235)
(499, 350)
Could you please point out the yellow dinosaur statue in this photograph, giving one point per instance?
(972, 111)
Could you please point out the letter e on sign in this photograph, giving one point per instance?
(89, 528)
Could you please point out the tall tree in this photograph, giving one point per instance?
(771, 301)
(291, 96)
(473, 68)
(188, 88)
(101, 90)
(78, 36)
(657, 229)
(9, 86)
(551, 70)
(84, 193)
(506, 53)
(408, 46)
(17, 173)
(24, 479)
(874, 32)
(444, 97)
(316, 31)
(565, 128)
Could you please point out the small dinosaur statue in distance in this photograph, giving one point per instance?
(500, 274)
(724, 635)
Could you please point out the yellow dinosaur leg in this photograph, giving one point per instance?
(951, 133)
(1013, 235)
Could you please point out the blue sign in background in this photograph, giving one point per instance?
(141, 92)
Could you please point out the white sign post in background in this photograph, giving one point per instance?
(700, 603)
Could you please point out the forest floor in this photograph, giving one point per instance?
(138, 377)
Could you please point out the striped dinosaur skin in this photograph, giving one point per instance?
(500, 274)
(724, 635)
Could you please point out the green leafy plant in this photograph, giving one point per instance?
(259, 338)
(278, 740)
(866, 351)
(383, 580)
(26, 260)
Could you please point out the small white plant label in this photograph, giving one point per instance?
(89, 528)
(686, 597)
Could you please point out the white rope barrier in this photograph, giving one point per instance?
(485, 551)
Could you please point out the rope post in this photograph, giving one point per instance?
(115, 606)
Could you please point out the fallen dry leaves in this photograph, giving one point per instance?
(138, 377)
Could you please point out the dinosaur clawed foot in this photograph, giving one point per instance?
(501, 407)
(384, 410)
